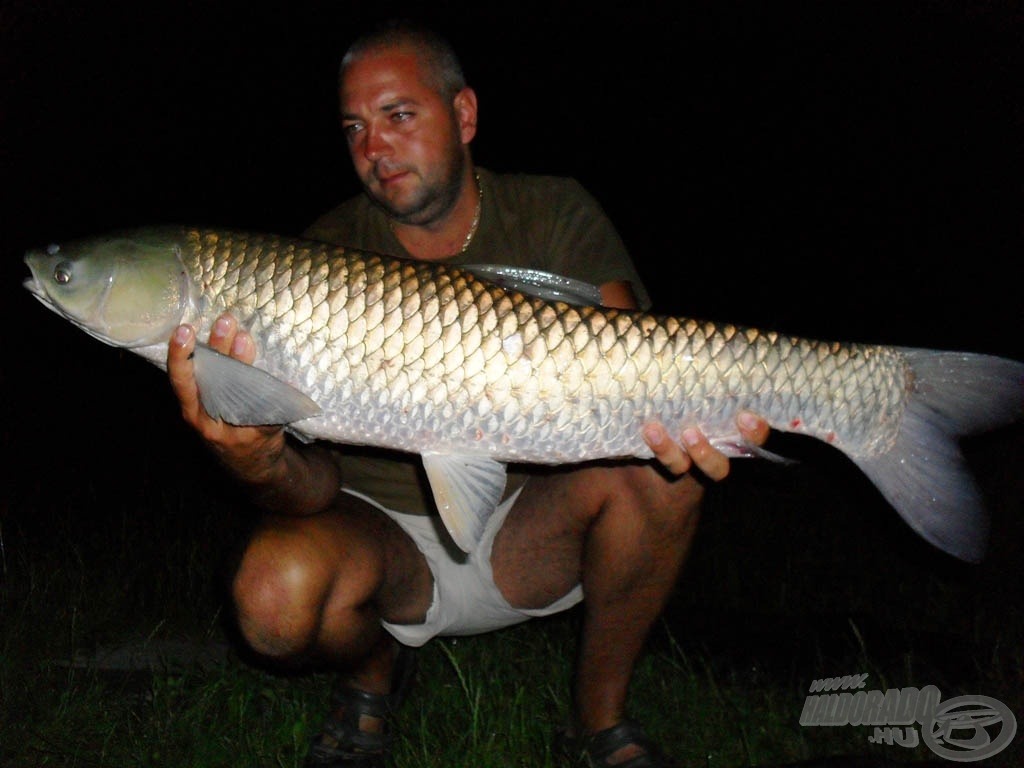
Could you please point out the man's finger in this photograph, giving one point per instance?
(666, 451)
(708, 459)
(181, 370)
(222, 335)
(754, 429)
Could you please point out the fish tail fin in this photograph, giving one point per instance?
(924, 475)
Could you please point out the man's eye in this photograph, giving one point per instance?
(401, 117)
(351, 129)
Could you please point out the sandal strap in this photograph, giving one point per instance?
(342, 742)
(352, 705)
(597, 749)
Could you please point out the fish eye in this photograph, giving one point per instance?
(62, 273)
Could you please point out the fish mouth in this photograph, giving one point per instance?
(36, 289)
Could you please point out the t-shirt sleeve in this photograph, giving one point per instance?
(545, 222)
(583, 243)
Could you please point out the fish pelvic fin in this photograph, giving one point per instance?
(924, 475)
(735, 447)
(244, 395)
(467, 490)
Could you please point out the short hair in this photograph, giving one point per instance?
(443, 70)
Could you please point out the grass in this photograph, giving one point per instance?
(798, 574)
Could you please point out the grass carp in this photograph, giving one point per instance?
(471, 374)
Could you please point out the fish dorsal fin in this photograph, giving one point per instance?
(467, 489)
(244, 395)
(537, 282)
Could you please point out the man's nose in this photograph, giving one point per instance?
(375, 144)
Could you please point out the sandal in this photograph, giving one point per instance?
(341, 742)
(597, 750)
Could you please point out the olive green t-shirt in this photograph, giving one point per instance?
(538, 222)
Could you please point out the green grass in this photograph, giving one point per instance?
(790, 580)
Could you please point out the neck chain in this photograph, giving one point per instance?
(476, 216)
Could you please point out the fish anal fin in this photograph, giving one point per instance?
(244, 395)
(467, 490)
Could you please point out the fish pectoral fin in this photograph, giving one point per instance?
(244, 395)
(467, 490)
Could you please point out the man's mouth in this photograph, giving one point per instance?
(386, 176)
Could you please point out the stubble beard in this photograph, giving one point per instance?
(433, 200)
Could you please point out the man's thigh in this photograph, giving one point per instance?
(539, 553)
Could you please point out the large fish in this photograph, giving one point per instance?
(470, 374)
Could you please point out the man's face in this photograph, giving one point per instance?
(405, 139)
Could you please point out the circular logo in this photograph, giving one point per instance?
(969, 728)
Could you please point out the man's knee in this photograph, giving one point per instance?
(278, 592)
(669, 505)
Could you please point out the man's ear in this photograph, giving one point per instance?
(465, 112)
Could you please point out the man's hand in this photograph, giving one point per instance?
(249, 452)
(696, 451)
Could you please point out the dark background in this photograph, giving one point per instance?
(847, 170)
(844, 170)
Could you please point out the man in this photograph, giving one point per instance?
(335, 572)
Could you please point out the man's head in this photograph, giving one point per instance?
(408, 117)
(440, 64)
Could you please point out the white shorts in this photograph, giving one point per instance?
(466, 599)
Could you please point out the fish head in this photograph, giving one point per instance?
(127, 290)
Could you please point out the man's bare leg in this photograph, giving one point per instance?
(623, 532)
(317, 588)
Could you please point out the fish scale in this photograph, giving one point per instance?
(472, 346)
(471, 370)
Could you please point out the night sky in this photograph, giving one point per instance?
(846, 170)
(838, 170)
